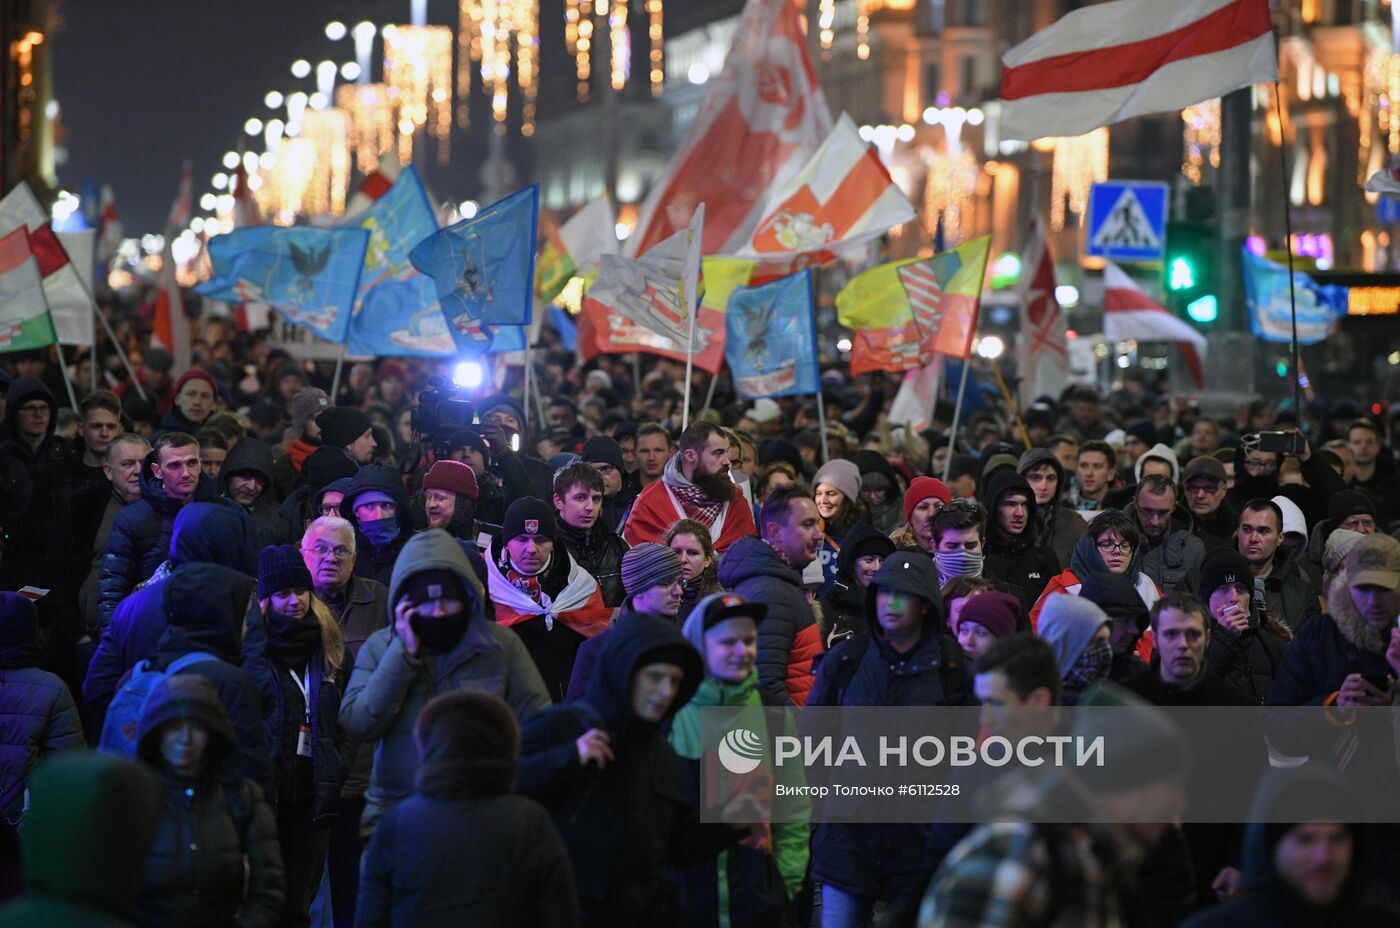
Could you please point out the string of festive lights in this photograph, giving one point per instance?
(1201, 139)
(582, 21)
(1080, 162)
(658, 42)
(372, 121)
(328, 131)
(418, 71)
(490, 34)
(950, 192)
(826, 26)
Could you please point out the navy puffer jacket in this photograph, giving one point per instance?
(141, 537)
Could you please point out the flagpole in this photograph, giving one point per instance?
(689, 367)
(121, 353)
(1288, 245)
(710, 393)
(1011, 405)
(339, 363)
(821, 423)
(957, 414)
(67, 381)
(525, 400)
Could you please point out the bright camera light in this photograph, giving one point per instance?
(468, 374)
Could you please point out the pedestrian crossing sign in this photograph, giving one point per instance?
(1127, 221)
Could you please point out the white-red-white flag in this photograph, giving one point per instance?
(1043, 349)
(763, 117)
(1128, 312)
(171, 327)
(109, 227)
(375, 184)
(1107, 62)
(842, 196)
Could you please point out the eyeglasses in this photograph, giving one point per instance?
(321, 552)
(961, 505)
(1108, 547)
(36, 410)
(1260, 467)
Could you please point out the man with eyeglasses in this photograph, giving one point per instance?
(1171, 554)
(605, 454)
(360, 608)
(1203, 485)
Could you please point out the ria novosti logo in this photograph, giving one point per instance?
(740, 751)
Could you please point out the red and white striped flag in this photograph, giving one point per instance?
(109, 228)
(842, 196)
(761, 120)
(1105, 63)
(171, 327)
(1043, 349)
(1128, 312)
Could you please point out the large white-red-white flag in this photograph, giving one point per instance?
(171, 327)
(761, 120)
(842, 196)
(658, 290)
(1128, 312)
(1107, 62)
(1043, 350)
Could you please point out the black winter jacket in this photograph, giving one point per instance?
(370, 562)
(598, 551)
(37, 716)
(140, 538)
(1057, 526)
(332, 751)
(1016, 559)
(31, 487)
(194, 872)
(1250, 660)
(843, 607)
(253, 457)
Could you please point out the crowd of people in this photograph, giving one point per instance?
(344, 668)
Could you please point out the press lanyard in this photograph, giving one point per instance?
(304, 731)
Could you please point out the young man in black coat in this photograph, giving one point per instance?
(1011, 553)
(579, 491)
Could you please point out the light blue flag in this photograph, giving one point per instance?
(309, 275)
(484, 268)
(1270, 314)
(396, 310)
(771, 341)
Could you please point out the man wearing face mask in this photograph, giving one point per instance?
(441, 640)
(1079, 632)
(958, 533)
(377, 503)
(541, 593)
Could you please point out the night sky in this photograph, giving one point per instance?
(144, 85)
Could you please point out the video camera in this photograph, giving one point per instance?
(441, 410)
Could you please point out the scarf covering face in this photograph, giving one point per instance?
(1092, 664)
(380, 532)
(958, 564)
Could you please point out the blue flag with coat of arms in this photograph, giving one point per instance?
(396, 310)
(309, 275)
(770, 338)
(484, 268)
(1271, 309)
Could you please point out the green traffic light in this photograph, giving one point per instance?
(1180, 275)
(1206, 309)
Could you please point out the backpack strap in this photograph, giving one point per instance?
(188, 660)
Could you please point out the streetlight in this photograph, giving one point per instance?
(335, 30)
(230, 159)
(300, 68)
(350, 71)
(273, 100)
(253, 126)
(990, 347)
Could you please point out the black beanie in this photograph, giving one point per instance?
(600, 449)
(280, 567)
(433, 584)
(1348, 503)
(529, 516)
(1222, 566)
(467, 746)
(341, 425)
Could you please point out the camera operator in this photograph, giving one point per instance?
(1257, 461)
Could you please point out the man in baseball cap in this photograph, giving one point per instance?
(1203, 489)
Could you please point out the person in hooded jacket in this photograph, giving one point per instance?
(30, 471)
(205, 607)
(214, 823)
(754, 883)
(296, 655)
(1011, 553)
(1303, 875)
(323, 470)
(377, 504)
(880, 488)
(37, 715)
(465, 848)
(1120, 601)
(606, 773)
(140, 537)
(1247, 643)
(907, 659)
(203, 533)
(246, 478)
(1171, 553)
(1256, 477)
(1111, 544)
(1079, 632)
(843, 607)
(1056, 526)
(440, 640)
(90, 824)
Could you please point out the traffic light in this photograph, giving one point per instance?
(1190, 271)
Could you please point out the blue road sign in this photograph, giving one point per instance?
(1127, 220)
